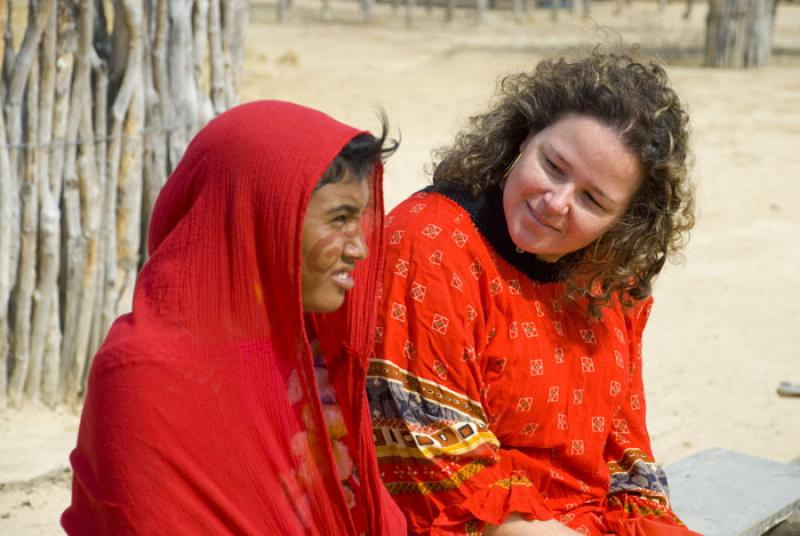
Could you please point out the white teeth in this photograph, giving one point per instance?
(344, 279)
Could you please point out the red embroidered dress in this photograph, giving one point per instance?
(490, 396)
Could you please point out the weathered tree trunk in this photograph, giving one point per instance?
(739, 33)
(91, 123)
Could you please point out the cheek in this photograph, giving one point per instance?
(592, 230)
(324, 253)
(523, 183)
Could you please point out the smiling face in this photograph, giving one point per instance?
(332, 243)
(572, 182)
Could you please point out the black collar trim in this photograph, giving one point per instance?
(489, 218)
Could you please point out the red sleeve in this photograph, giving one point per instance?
(638, 496)
(439, 457)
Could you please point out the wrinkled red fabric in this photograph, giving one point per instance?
(187, 426)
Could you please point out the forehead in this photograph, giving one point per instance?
(583, 130)
(347, 192)
(593, 150)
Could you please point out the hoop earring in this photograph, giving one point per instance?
(511, 167)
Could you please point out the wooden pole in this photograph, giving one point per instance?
(100, 75)
(129, 199)
(26, 273)
(51, 361)
(92, 122)
(76, 242)
(216, 57)
(739, 33)
(6, 185)
(181, 82)
(48, 259)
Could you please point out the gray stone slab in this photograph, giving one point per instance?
(790, 527)
(719, 492)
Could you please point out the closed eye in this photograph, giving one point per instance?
(593, 200)
(553, 168)
(346, 218)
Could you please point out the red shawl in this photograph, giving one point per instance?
(188, 421)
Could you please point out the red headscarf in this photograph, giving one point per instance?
(187, 422)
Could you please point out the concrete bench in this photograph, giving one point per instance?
(719, 492)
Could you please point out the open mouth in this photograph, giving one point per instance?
(343, 278)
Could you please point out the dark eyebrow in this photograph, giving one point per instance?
(556, 157)
(349, 209)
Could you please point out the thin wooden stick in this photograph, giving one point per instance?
(155, 147)
(51, 362)
(22, 67)
(48, 260)
(5, 27)
(75, 243)
(182, 88)
(26, 273)
(217, 58)
(99, 328)
(6, 184)
(235, 21)
(129, 200)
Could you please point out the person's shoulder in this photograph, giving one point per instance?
(428, 217)
(424, 208)
(131, 350)
(433, 229)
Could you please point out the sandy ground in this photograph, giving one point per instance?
(723, 332)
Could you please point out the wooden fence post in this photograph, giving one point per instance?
(91, 123)
(739, 33)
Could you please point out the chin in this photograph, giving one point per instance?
(323, 306)
(517, 239)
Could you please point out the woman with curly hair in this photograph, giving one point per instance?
(506, 389)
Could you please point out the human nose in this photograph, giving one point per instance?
(356, 246)
(558, 199)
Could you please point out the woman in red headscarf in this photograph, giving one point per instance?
(231, 399)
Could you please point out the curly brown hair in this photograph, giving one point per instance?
(634, 98)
